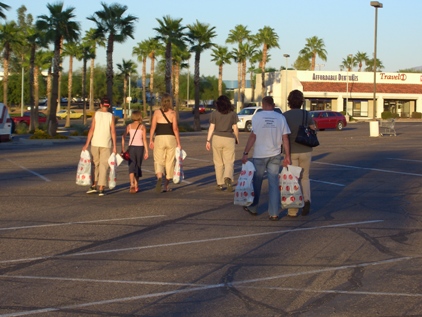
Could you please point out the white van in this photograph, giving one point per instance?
(5, 124)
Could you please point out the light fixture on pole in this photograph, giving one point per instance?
(376, 5)
(285, 97)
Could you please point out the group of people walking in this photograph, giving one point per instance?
(271, 138)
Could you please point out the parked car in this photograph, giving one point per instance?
(327, 119)
(26, 118)
(6, 124)
(201, 109)
(245, 117)
(62, 114)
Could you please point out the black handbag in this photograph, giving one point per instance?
(305, 135)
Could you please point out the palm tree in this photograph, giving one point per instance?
(92, 42)
(112, 22)
(59, 26)
(361, 57)
(10, 37)
(3, 6)
(221, 56)
(370, 65)
(348, 63)
(126, 68)
(154, 48)
(200, 36)
(248, 51)
(170, 32)
(314, 47)
(269, 39)
(142, 52)
(255, 58)
(72, 50)
(237, 35)
(87, 52)
(180, 56)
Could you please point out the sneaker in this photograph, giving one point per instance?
(92, 190)
(228, 183)
(306, 209)
(101, 192)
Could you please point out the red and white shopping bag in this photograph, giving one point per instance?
(244, 193)
(290, 191)
(83, 174)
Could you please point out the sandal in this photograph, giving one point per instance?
(274, 218)
(250, 211)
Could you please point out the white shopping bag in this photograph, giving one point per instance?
(290, 192)
(119, 159)
(244, 192)
(112, 175)
(83, 174)
(178, 175)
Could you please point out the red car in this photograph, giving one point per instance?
(201, 109)
(326, 119)
(26, 118)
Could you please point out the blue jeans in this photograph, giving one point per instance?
(272, 166)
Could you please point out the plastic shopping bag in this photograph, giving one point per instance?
(244, 192)
(178, 175)
(83, 174)
(112, 163)
(290, 192)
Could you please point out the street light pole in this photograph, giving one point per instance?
(376, 5)
(285, 95)
(350, 56)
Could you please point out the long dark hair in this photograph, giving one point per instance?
(224, 105)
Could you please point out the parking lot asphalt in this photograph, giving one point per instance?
(191, 252)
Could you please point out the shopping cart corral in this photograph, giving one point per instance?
(387, 127)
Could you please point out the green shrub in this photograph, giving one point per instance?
(416, 115)
(389, 115)
(40, 134)
(79, 129)
(21, 128)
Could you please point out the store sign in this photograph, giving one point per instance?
(399, 77)
(339, 77)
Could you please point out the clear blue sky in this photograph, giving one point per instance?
(345, 26)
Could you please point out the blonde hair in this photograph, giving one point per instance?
(136, 116)
(166, 102)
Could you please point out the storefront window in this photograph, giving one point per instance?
(320, 104)
(400, 107)
(360, 107)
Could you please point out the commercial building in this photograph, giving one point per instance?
(351, 92)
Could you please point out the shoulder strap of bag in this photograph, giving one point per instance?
(134, 134)
(165, 116)
(304, 118)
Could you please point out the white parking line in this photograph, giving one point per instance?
(212, 286)
(406, 160)
(76, 222)
(28, 170)
(369, 169)
(188, 242)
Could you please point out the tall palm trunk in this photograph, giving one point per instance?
(31, 89)
(144, 88)
(91, 86)
(252, 87)
(176, 88)
(84, 90)
(125, 97)
(49, 88)
(109, 71)
(313, 61)
(151, 78)
(264, 62)
(196, 121)
(69, 93)
(239, 80)
(168, 68)
(242, 89)
(59, 92)
(220, 80)
(52, 121)
(6, 56)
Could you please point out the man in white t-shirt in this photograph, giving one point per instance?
(102, 136)
(269, 132)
